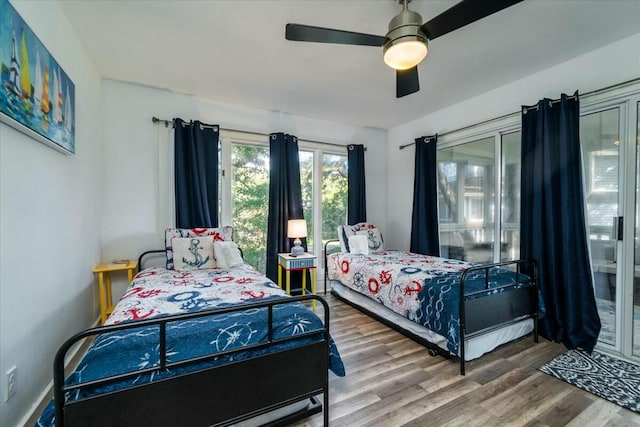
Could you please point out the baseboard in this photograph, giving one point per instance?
(32, 415)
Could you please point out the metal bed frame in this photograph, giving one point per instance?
(481, 315)
(213, 396)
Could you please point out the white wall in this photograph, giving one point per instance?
(612, 64)
(50, 224)
(135, 147)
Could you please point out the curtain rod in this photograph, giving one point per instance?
(551, 102)
(168, 123)
(586, 94)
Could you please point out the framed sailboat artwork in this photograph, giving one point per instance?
(36, 95)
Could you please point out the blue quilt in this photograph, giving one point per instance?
(136, 349)
(440, 299)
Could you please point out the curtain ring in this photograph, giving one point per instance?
(351, 147)
(427, 139)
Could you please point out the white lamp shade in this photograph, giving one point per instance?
(297, 228)
(405, 54)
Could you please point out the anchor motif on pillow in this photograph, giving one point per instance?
(374, 244)
(195, 248)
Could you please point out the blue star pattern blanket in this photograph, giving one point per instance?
(422, 288)
(159, 292)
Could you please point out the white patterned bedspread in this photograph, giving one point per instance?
(158, 291)
(393, 278)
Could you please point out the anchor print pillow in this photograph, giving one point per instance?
(346, 231)
(193, 253)
(219, 234)
(374, 239)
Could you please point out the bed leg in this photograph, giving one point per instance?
(325, 411)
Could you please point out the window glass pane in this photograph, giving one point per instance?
(510, 227)
(599, 141)
(250, 197)
(636, 276)
(306, 184)
(466, 200)
(334, 194)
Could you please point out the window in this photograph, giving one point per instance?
(245, 193)
(249, 204)
(306, 186)
(466, 200)
(334, 194)
(510, 191)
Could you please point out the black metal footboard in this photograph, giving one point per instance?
(218, 395)
(516, 301)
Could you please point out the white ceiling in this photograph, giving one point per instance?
(234, 51)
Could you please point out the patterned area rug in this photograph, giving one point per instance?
(609, 378)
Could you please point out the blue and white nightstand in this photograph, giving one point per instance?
(302, 262)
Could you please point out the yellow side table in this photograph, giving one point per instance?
(104, 283)
(302, 262)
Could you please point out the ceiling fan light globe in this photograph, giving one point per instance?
(406, 54)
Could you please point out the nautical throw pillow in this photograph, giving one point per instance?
(345, 231)
(219, 234)
(359, 245)
(227, 254)
(374, 239)
(193, 253)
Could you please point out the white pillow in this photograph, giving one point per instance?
(359, 245)
(193, 253)
(227, 254)
(374, 239)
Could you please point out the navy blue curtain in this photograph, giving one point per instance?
(196, 174)
(356, 192)
(553, 226)
(424, 219)
(285, 201)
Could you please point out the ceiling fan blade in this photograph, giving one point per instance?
(307, 33)
(463, 13)
(407, 82)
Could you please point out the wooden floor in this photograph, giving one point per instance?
(392, 381)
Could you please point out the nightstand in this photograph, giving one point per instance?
(104, 283)
(302, 263)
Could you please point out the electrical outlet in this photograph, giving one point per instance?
(12, 383)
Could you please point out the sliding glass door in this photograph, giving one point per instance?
(611, 162)
(466, 200)
(635, 305)
(600, 143)
(479, 188)
(479, 205)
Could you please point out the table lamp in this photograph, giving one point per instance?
(297, 228)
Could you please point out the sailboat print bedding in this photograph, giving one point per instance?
(158, 292)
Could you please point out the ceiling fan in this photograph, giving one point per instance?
(405, 44)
